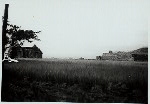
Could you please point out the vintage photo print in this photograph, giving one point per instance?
(74, 51)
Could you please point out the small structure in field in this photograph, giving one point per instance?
(109, 56)
(117, 56)
(26, 52)
(98, 57)
(81, 58)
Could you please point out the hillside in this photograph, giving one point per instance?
(137, 51)
(141, 50)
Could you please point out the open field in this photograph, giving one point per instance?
(75, 81)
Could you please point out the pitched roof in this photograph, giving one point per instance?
(34, 47)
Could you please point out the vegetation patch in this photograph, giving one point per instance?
(88, 81)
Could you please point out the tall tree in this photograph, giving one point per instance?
(14, 36)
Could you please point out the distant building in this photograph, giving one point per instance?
(119, 56)
(98, 57)
(109, 56)
(81, 58)
(110, 52)
(140, 54)
(26, 52)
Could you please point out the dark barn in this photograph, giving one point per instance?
(26, 52)
(140, 57)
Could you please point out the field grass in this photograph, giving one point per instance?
(54, 80)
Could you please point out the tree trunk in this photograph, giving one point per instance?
(6, 40)
(4, 27)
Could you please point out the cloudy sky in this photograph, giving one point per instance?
(82, 28)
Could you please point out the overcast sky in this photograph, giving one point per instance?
(82, 28)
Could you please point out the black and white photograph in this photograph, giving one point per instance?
(74, 51)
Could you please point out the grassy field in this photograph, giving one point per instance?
(54, 80)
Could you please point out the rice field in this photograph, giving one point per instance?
(87, 81)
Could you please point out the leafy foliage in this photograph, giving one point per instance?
(18, 35)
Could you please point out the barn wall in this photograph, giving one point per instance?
(28, 52)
